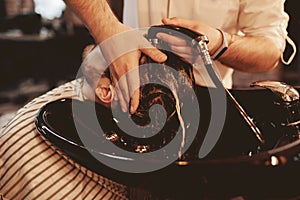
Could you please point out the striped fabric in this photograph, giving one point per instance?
(30, 168)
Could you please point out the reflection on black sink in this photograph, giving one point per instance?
(237, 165)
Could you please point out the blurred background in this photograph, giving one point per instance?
(41, 42)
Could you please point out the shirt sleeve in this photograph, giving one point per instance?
(264, 18)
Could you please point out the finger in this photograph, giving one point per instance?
(182, 49)
(186, 57)
(113, 92)
(116, 99)
(133, 81)
(122, 102)
(123, 86)
(119, 95)
(135, 99)
(155, 54)
(171, 39)
(179, 22)
(121, 99)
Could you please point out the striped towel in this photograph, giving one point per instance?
(30, 168)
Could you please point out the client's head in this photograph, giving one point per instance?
(98, 85)
(160, 86)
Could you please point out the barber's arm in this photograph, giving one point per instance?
(251, 53)
(244, 53)
(98, 17)
(103, 24)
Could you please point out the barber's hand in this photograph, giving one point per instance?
(180, 46)
(122, 52)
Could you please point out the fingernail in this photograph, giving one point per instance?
(162, 57)
(131, 110)
(124, 109)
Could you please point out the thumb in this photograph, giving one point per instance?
(155, 54)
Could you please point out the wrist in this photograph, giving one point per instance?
(223, 45)
(108, 30)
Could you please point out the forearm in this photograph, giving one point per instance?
(97, 16)
(248, 54)
(251, 54)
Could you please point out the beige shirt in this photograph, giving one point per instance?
(247, 17)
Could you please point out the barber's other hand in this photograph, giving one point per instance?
(180, 46)
(122, 51)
